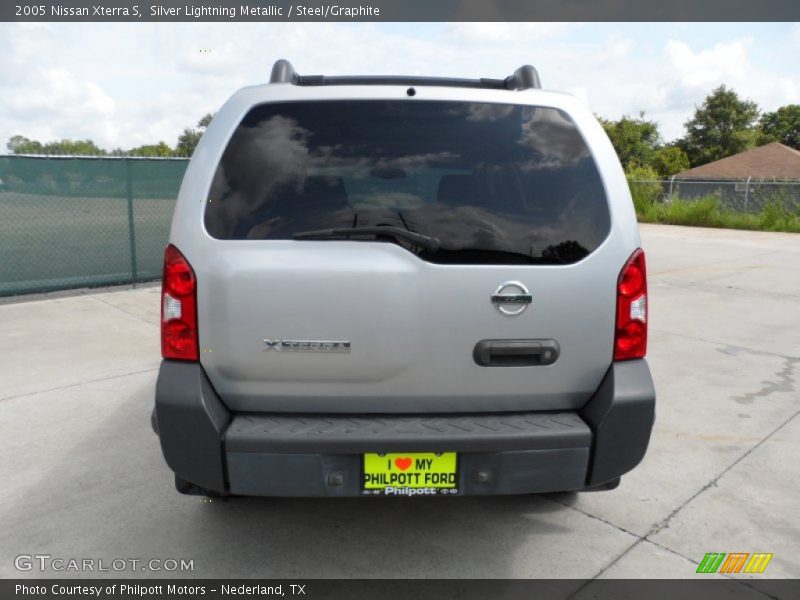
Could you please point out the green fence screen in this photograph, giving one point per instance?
(77, 222)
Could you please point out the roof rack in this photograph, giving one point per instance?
(524, 78)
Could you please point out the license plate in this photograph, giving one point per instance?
(410, 474)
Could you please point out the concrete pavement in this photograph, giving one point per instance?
(84, 478)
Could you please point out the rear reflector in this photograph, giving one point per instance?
(178, 308)
(630, 337)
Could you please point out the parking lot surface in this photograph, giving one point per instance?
(83, 475)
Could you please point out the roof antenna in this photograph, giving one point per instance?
(524, 78)
(283, 72)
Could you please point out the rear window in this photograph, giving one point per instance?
(493, 183)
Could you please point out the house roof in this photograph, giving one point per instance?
(771, 161)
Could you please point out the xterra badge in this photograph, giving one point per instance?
(326, 346)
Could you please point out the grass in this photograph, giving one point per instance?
(708, 211)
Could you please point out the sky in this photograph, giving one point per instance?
(124, 85)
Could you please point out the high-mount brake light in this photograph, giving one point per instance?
(630, 335)
(179, 338)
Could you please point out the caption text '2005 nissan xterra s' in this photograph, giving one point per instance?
(402, 286)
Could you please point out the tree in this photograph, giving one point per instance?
(722, 126)
(151, 150)
(74, 147)
(670, 160)
(782, 126)
(19, 144)
(636, 140)
(189, 139)
(645, 187)
(187, 142)
(205, 121)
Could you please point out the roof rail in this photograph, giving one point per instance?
(524, 78)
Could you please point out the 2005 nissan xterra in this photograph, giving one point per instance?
(401, 286)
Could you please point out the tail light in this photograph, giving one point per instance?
(630, 336)
(178, 308)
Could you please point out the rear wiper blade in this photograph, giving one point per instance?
(487, 256)
(428, 243)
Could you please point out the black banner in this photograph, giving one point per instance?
(400, 10)
(418, 589)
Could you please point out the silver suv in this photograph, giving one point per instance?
(401, 286)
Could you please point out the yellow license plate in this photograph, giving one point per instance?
(410, 474)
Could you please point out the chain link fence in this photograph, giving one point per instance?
(69, 222)
(745, 195)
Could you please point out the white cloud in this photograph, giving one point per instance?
(617, 46)
(502, 33)
(60, 94)
(692, 74)
(130, 84)
(724, 61)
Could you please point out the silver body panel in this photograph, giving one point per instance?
(412, 324)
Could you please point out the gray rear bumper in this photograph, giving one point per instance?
(312, 455)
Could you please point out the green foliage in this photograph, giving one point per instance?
(21, 145)
(641, 172)
(782, 125)
(703, 212)
(205, 121)
(189, 139)
(670, 160)
(187, 142)
(777, 214)
(645, 187)
(152, 150)
(74, 147)
(635, 140)
(638, 142)
(778, 210)
(722, 126)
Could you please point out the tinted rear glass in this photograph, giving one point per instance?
(494, 183)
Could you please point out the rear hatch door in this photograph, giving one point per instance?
(391, 256)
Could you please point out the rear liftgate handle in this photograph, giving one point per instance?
(515, 353)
